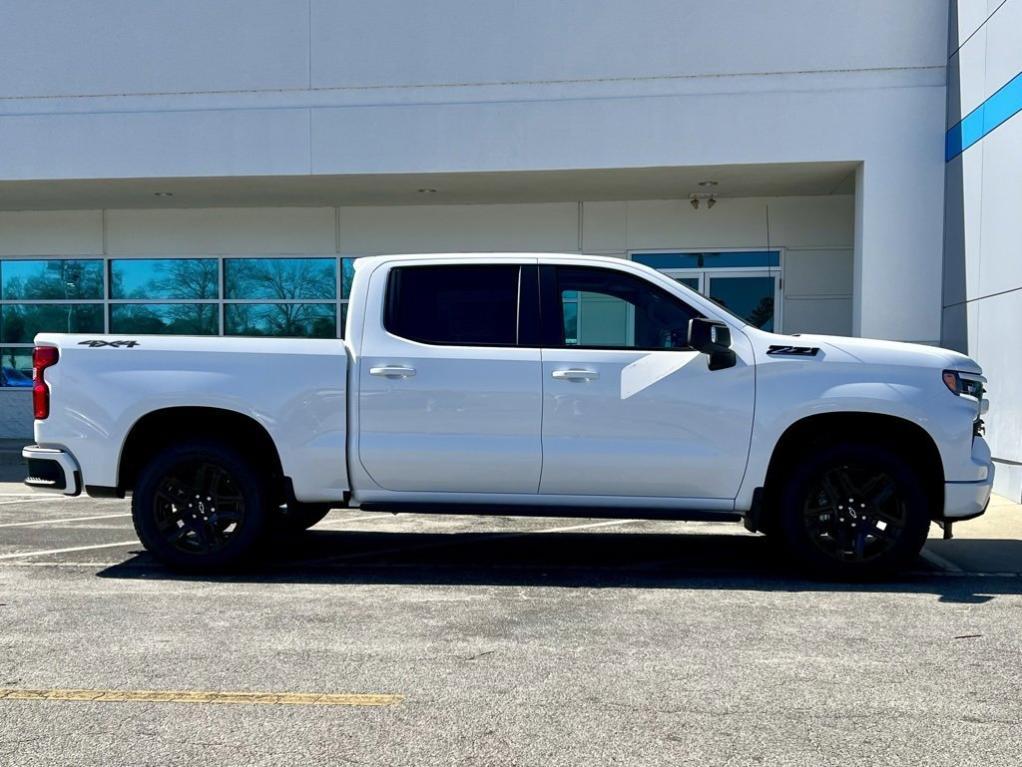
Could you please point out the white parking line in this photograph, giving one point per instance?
(59, 521)
(569, 528)
(46, 552)
(328, 523)
(35, 499)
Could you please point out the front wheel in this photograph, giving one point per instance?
(854, 511)
(199, 505)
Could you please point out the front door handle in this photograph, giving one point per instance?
(392, 371)
(575, 374)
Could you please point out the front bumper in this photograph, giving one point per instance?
(965, 500)
(52, 470)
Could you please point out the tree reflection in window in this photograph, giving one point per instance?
(169, 278)
(160, 319)
(281, 278)
(290, 320)
(55, 279)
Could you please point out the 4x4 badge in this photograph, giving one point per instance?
(97, 343)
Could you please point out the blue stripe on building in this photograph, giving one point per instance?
(997, 109)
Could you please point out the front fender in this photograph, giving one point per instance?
(789, 391)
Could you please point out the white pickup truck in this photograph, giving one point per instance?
(518, 384)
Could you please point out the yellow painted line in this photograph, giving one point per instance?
(200, 696)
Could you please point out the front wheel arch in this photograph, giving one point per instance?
(817, 432)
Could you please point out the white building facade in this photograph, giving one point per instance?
(213, 167)
(982, 298)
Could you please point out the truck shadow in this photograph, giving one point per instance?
(569, 560)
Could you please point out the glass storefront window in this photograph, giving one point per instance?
(21, 322)
(164, 278)
(16, 367)
(51, 279)
(347, 275)
(274, 296)
(161, 319)
(295, 320)
(280, 278)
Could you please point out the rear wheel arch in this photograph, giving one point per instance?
(826, 429)
(159, 429)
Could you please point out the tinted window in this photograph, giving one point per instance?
(280, 278)
(177, 319)
(16, 367)
(53, 279)
(293, 320)
(21, 322)
(164, 278)
(605, 308)
(454, 305)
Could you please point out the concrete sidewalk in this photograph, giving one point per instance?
(989, 544)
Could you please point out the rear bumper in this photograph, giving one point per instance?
(52, 470)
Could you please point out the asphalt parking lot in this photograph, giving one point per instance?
(455, 640)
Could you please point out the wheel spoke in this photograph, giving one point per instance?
(197, 507)
(880, 490)
(852, 512)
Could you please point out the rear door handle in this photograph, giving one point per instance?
(575, 374)
(392, 371)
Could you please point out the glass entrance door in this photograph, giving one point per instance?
(753, 295)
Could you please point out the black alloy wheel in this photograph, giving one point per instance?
(200, 505)
(853, 510)
(854, 513)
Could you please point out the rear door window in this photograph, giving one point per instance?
(455, 305)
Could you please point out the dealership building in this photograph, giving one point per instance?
(851, 167)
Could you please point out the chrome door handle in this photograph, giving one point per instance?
(392, 371)
(575, 374)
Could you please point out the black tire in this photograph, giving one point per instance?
(298, 517)
(853, 511)
(199, 506)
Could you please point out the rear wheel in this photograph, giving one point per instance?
(854, 511)
(199, 506)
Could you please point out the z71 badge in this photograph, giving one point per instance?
(118, 344)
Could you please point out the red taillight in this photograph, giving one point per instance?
(42, 358)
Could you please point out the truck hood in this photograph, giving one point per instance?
(877, 352)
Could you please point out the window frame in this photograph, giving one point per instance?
(526, 307)
(552, 309)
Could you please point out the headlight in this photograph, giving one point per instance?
(967, 383)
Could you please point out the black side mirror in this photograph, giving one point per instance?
(713, 338)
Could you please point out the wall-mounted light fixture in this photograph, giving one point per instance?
(709, 198)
